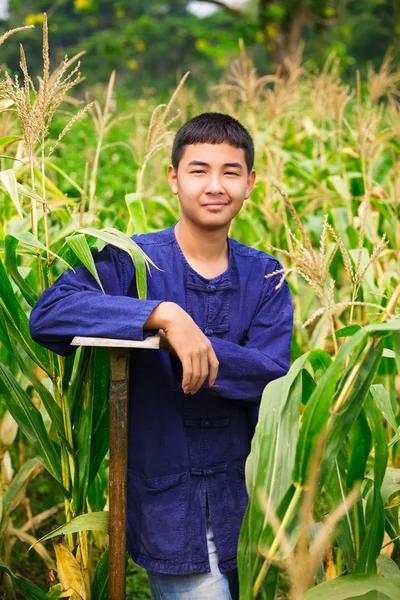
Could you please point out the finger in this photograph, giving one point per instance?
(214, 364)
(203, 370)
(186, 372)
(196, 371)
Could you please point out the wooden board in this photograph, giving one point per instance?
(151, 342)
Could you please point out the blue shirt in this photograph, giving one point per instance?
(181, 447)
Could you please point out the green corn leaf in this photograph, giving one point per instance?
(317, 411)
(8, 140)
(29, 591)
(139, 258)
(99, 586)
(345, 331)
(49, 403)
(11, 263)
(164, 203)
(16, 490)
(29, 240)
(396, 347)
(374, 516)
(382, 401)
(389, 569)
(93, 397)
(51, 187)
(9, 182)
(134, 202)
(81, 248)
(53, 166)
(341, 422)
(30, 421)
(95, 521)
(19, 320)
(353, 586)
(272, 452)
(390, 485)
(335, 491)
(100, 377)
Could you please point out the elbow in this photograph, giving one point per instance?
(43, 336)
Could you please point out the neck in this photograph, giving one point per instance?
(201, 244)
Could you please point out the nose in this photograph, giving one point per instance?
(214, 186)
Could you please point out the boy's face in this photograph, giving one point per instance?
(212, 183)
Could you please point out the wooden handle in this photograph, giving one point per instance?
(119, 386)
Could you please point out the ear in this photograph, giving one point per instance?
(173, 179)
(250, 184)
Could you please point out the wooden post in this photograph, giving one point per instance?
(119, 390)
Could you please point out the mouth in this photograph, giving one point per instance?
(215, 205)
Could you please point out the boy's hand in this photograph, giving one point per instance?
(185, 339)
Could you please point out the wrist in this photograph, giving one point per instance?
(162, 316)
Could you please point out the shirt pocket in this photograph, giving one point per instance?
(156, 512)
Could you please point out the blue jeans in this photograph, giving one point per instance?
(199, 586)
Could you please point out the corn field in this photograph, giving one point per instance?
(323, 475)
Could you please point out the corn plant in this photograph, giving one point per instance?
(326, 202)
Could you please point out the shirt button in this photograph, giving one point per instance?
(211, 288)
(208, 472)
(205, 423)
(208, 331)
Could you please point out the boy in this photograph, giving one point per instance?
(226, 332)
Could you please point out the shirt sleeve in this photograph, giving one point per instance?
(75, 305)
(245, 370)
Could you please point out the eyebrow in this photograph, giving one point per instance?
(200, 163)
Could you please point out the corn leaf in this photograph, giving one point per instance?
(353, 586)
(16, 490)
(341, 422)
(317, 411)
(30, 591)
(19, 320)
(272, 452)
(29, 240)
(374, 514)
(29, 419)
(81, 248)
(11, 262)
(382, 401)
(8, 140)
(49, 403)
(9, 182)
(139, 258)
(99, 587)
(95, 521)
(137, 213)
(71, 181)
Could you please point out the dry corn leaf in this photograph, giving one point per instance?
(69, 572)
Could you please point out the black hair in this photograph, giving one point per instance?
(213, 128)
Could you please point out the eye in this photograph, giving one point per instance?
(231, 173)
(197, 171)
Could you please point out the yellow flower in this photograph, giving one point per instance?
(33, 19)
(201, 45)
(82, 4)
(132, 64)
(140, 46)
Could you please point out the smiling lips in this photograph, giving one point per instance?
(215, 204)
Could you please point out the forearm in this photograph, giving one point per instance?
(162, 316)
